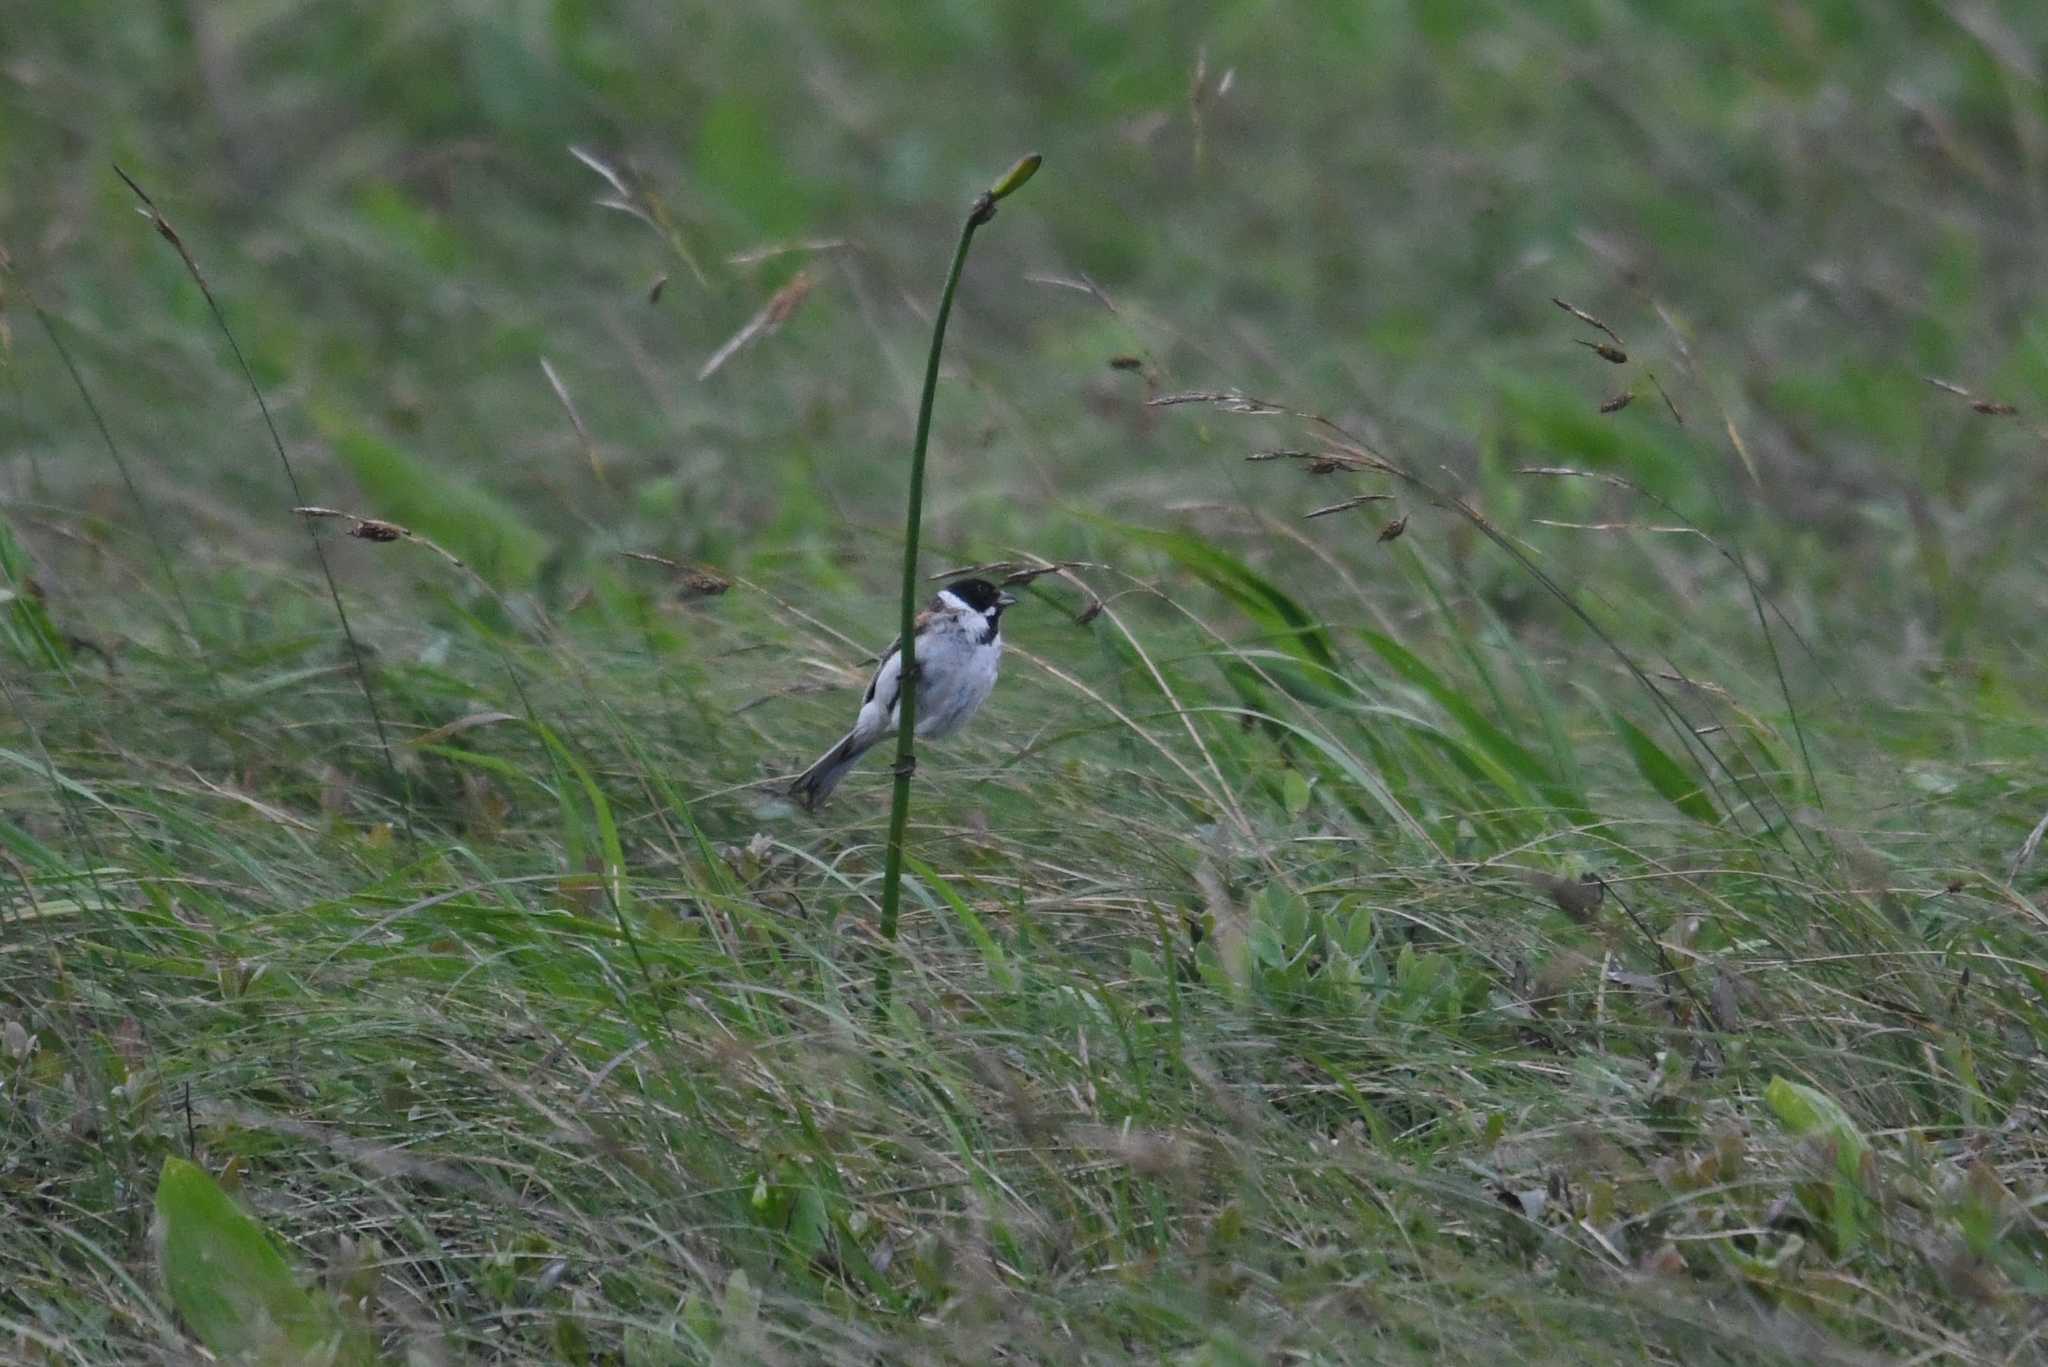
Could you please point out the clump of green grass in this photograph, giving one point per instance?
(1242, 1007)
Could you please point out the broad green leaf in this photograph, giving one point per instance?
(614, 852)
(992, 953)
(1293, 628)
(1809, 1111)
(1284, 910)
(24, 621)
(448, 509)
(1250, 674)
(1664, 773)
(1504, 749)
(234, 1289)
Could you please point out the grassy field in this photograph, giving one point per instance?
(1580, 905)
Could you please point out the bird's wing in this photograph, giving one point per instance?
(892, 663)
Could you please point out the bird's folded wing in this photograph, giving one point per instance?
(885, 679)
(892, 664)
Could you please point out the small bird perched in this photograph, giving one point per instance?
(958, 644)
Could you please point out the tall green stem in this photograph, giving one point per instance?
(983, 210)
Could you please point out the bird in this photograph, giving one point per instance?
(958, 645)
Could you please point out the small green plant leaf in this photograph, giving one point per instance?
(1268, 950)
(742, 1302)
(1294, 792)
(1767, 1269)
(234, 1289)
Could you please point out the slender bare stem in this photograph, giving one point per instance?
(983, 209)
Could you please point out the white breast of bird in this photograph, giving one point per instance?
(956, 671)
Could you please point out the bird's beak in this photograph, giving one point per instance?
(1004, 600)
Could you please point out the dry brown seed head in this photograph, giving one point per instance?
(767, 319)
(1577, 898)
(1393, 530)
(703, 583)
(1618, 402)
(1588, 319)
(1614, 355)
(785, 300)
(1126, 363)
(1993, 408)
(374, 529)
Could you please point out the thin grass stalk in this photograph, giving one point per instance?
(355, 649)
(94, 858)
(983, 209)
(1692, 744)
(142, 504)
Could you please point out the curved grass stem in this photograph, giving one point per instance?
(983, 209)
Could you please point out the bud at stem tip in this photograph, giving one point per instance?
(1025, 168)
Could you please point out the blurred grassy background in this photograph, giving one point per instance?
(548, 1039)
(1365, 213)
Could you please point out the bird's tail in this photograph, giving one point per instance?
(816, 783)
